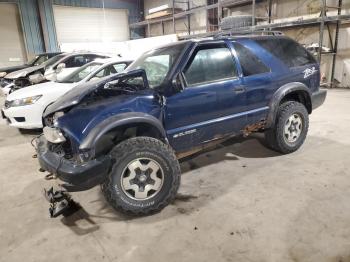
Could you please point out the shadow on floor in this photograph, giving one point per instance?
(82, 222)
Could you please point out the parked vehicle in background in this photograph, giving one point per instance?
(19, 79)
(53, 69)
(68, 64)
(36, 61)
(24, 108)
(127, 132)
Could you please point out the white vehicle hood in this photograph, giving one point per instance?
(41, 89)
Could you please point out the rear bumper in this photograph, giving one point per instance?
(77, 176)
(318, 98)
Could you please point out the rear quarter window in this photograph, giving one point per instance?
(250, 63)
(288, 51)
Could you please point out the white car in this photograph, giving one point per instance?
(69, 64)
(56, 68)
(24, 108)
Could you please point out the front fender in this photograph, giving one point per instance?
(280, 94)
(119, 120)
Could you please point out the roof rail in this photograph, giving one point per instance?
(226, 33)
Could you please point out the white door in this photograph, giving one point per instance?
(12, 50)
(82, 24)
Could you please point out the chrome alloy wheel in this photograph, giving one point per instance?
(293, 128)
(142, 179)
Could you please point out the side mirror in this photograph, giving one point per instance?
(60, 67)
(178, 83)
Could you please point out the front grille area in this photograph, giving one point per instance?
(62, 149)
(20, 119)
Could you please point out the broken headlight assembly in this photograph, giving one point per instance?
(53, 135)
(56, 116)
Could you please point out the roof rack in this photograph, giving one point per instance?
(225, 33)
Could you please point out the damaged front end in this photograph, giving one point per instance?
(58, 148)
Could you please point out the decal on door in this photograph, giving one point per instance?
(188, 132)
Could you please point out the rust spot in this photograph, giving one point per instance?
(254, 127)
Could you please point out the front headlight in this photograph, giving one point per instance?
(53, 135)
(24, 101)
(3, 74)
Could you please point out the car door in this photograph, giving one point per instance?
(210, 104)
(257, 81)
(72, 64)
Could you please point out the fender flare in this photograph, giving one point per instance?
(114, 121)
(280, 94)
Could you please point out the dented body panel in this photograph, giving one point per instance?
(187, 117)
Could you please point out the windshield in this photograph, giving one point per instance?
(80, 73)
(31, 62)
(157, 63)
(53, 60)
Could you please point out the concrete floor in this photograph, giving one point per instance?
(241, 202)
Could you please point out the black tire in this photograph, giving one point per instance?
(136, 149)
(276, 138)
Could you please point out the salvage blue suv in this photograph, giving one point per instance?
(127, 131)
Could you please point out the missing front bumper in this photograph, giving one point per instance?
(77, 176)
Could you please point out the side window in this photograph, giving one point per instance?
(40, 60)
(90, 58)
(210, 64)
(289, 52)
(76, 61)
(101, 73)
(250, 63)
(119, 67)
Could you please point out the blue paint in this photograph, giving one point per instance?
(80, 120)
(201, 113)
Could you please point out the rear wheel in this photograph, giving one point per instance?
(144, 178)
(290, 128)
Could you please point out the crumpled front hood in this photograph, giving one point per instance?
(23, 72)
(80, 120)
(74, 96)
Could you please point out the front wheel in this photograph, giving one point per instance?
(144, 178)
(290, 128)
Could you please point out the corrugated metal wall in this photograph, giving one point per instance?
(40, 39)
(30, 25)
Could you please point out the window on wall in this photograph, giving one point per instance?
(250, 63)
(209, 65)
(291, 53)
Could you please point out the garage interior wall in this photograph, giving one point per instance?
(12, 48)
(282, 11)
(37, 20)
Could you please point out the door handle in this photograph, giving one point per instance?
(239, 89)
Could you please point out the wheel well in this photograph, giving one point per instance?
(299, 96)
(114, 136)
